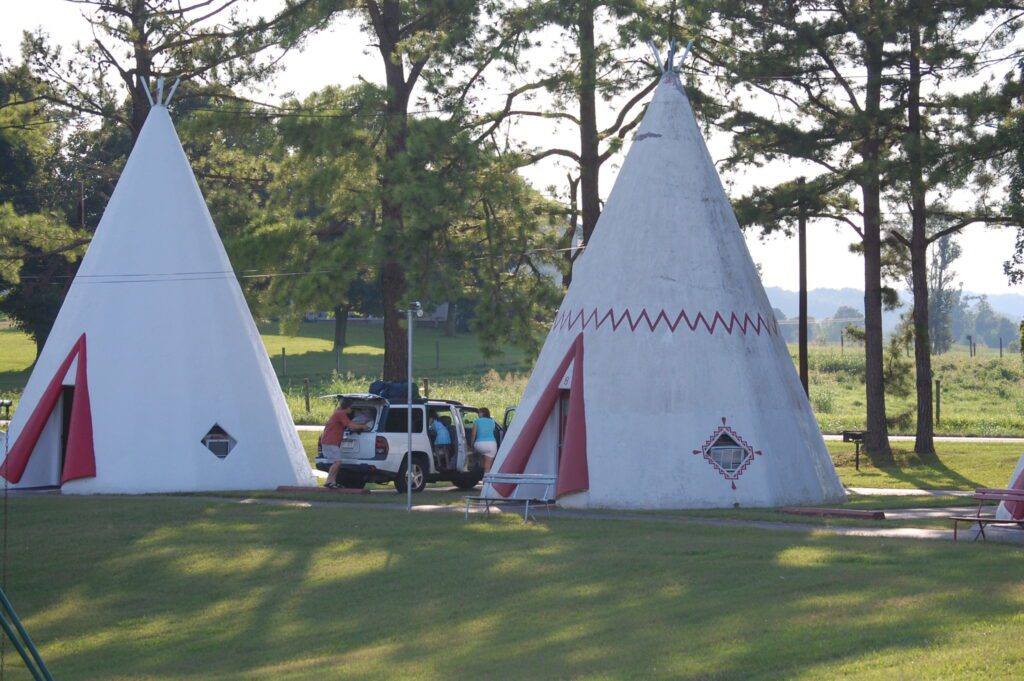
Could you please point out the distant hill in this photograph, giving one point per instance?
(823, 302)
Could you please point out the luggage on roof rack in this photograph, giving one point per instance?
(393, 391)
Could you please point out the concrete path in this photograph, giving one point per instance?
(900, 492)
(945, 438)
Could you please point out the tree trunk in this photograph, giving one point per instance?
(924, 442)
(396, 366)
(451, 319)
(341, 325)
(143, 67)
(877, 440)
(386, 18)
(590, 161)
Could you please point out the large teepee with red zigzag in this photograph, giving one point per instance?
(154, 377)
(664, 382)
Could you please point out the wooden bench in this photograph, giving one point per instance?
(545, 498)
(988, 494)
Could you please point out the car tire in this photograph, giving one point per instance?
(467, 481)
(419, 476)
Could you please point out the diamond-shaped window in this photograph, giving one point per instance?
(728, 454)
(219, 442)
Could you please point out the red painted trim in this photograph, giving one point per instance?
(573, 471)
(567, 320)
(80, 459)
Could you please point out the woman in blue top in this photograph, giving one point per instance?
(482, 437)
(442, 440)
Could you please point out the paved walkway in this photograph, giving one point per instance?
(901, 492)
(946, 438)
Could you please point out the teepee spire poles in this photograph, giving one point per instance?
(145, 88)
(654, 53)
(174, 88)
(668, 66)
(160, 99)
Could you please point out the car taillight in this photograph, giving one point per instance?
(381, 446)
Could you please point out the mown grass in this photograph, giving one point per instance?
(961, 466)
(127, 588)
(981, 396)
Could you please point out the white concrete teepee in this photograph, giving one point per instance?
(154, 377)
(688, 397)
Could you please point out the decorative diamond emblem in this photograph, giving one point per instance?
(219, 442)
(728, 453)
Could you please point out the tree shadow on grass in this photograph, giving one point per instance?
(175, 589)
(921, 471)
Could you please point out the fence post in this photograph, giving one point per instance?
(938, 402)
(842, 348)
(426, 388)
(1000, 347)
(284, 362)
(305, 384)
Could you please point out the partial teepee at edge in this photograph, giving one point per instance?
(154, 377)
(688, 397)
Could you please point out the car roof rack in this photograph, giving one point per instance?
(429, 402)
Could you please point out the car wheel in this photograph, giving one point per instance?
(419, 477)
(467, 480)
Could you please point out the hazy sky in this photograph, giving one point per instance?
(342, 54)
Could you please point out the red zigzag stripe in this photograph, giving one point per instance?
(568, 320)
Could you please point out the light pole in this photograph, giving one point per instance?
(414, 307)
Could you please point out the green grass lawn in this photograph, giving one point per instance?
(956, 466)
(130, 588)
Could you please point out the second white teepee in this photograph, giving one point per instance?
(664, 382)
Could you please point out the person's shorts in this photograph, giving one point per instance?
(488, 449)
(331, 452)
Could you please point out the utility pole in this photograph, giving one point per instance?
(81, 204)
(802, 238)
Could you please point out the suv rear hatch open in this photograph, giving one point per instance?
(366, 408)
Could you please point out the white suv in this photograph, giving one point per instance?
(379, 454)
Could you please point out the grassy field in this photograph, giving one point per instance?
(189, 589)
(983, 395)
